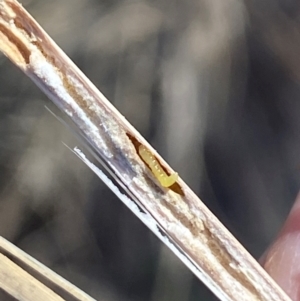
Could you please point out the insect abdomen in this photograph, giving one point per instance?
(164, 179)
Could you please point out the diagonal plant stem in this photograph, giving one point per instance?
(193, 232)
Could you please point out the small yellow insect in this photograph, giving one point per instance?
(164, 179)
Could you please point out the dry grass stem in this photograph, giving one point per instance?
(213, 254)
(24, 278)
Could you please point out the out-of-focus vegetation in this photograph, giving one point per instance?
(212, 84)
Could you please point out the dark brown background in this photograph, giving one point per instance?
(212, 84)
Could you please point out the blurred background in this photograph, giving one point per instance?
(214, 85)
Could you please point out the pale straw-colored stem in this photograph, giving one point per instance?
(204, 244)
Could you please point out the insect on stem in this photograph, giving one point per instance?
(164, 179)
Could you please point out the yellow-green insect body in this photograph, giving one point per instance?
(164, 179)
